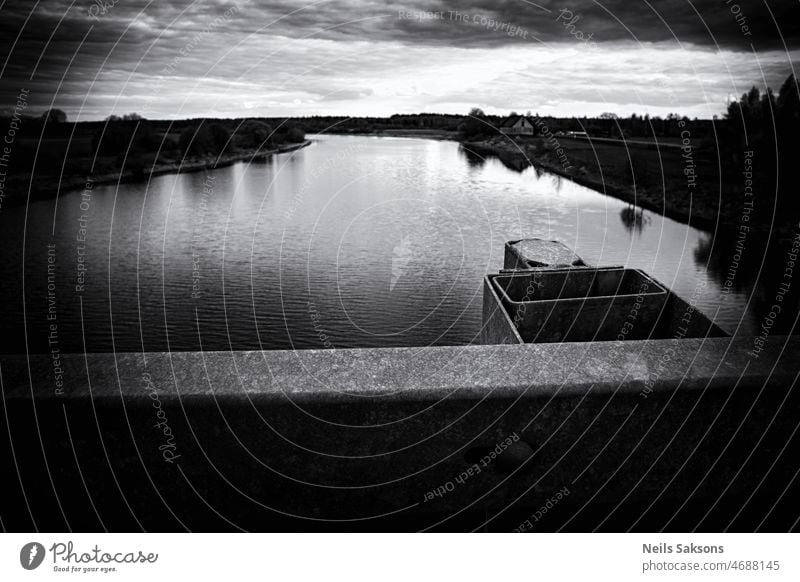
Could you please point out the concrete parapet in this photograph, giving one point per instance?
(672, 434)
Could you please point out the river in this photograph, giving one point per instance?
(351, 242)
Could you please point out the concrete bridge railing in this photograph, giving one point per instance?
(637, 434)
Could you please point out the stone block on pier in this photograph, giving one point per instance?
(532, 253)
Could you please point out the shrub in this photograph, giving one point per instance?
(473, 126)
(254, 134)
(220, 137)
(196, 140)
(295, 135)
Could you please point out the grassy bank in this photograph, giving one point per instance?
(66, 157)
(683, 184)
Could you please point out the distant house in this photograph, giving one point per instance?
(517, 125)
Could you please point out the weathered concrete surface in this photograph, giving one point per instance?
(535, 252)
(675, 434)
(498, 326)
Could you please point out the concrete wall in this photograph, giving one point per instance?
(643, 434)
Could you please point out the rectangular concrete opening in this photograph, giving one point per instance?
(575, 283)
(588, 304)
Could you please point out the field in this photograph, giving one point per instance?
(683, 183)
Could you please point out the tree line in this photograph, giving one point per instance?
(765, 127)
(132, 134)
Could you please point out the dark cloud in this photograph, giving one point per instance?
(732, 25)
(735, 25)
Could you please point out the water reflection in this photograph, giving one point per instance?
(757, 268)
(633, 218)
(474, 159)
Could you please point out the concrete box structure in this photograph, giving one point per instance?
(585, 304)
(581, 304)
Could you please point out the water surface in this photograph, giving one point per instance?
(351, 242)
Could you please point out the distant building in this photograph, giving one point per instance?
(517, 125)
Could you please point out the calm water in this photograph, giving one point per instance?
(353, 241)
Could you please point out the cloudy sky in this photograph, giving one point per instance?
(214, 58)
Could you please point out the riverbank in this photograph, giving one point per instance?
(640, 176)
(44, 186)
(607, 167)
(601, 165)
